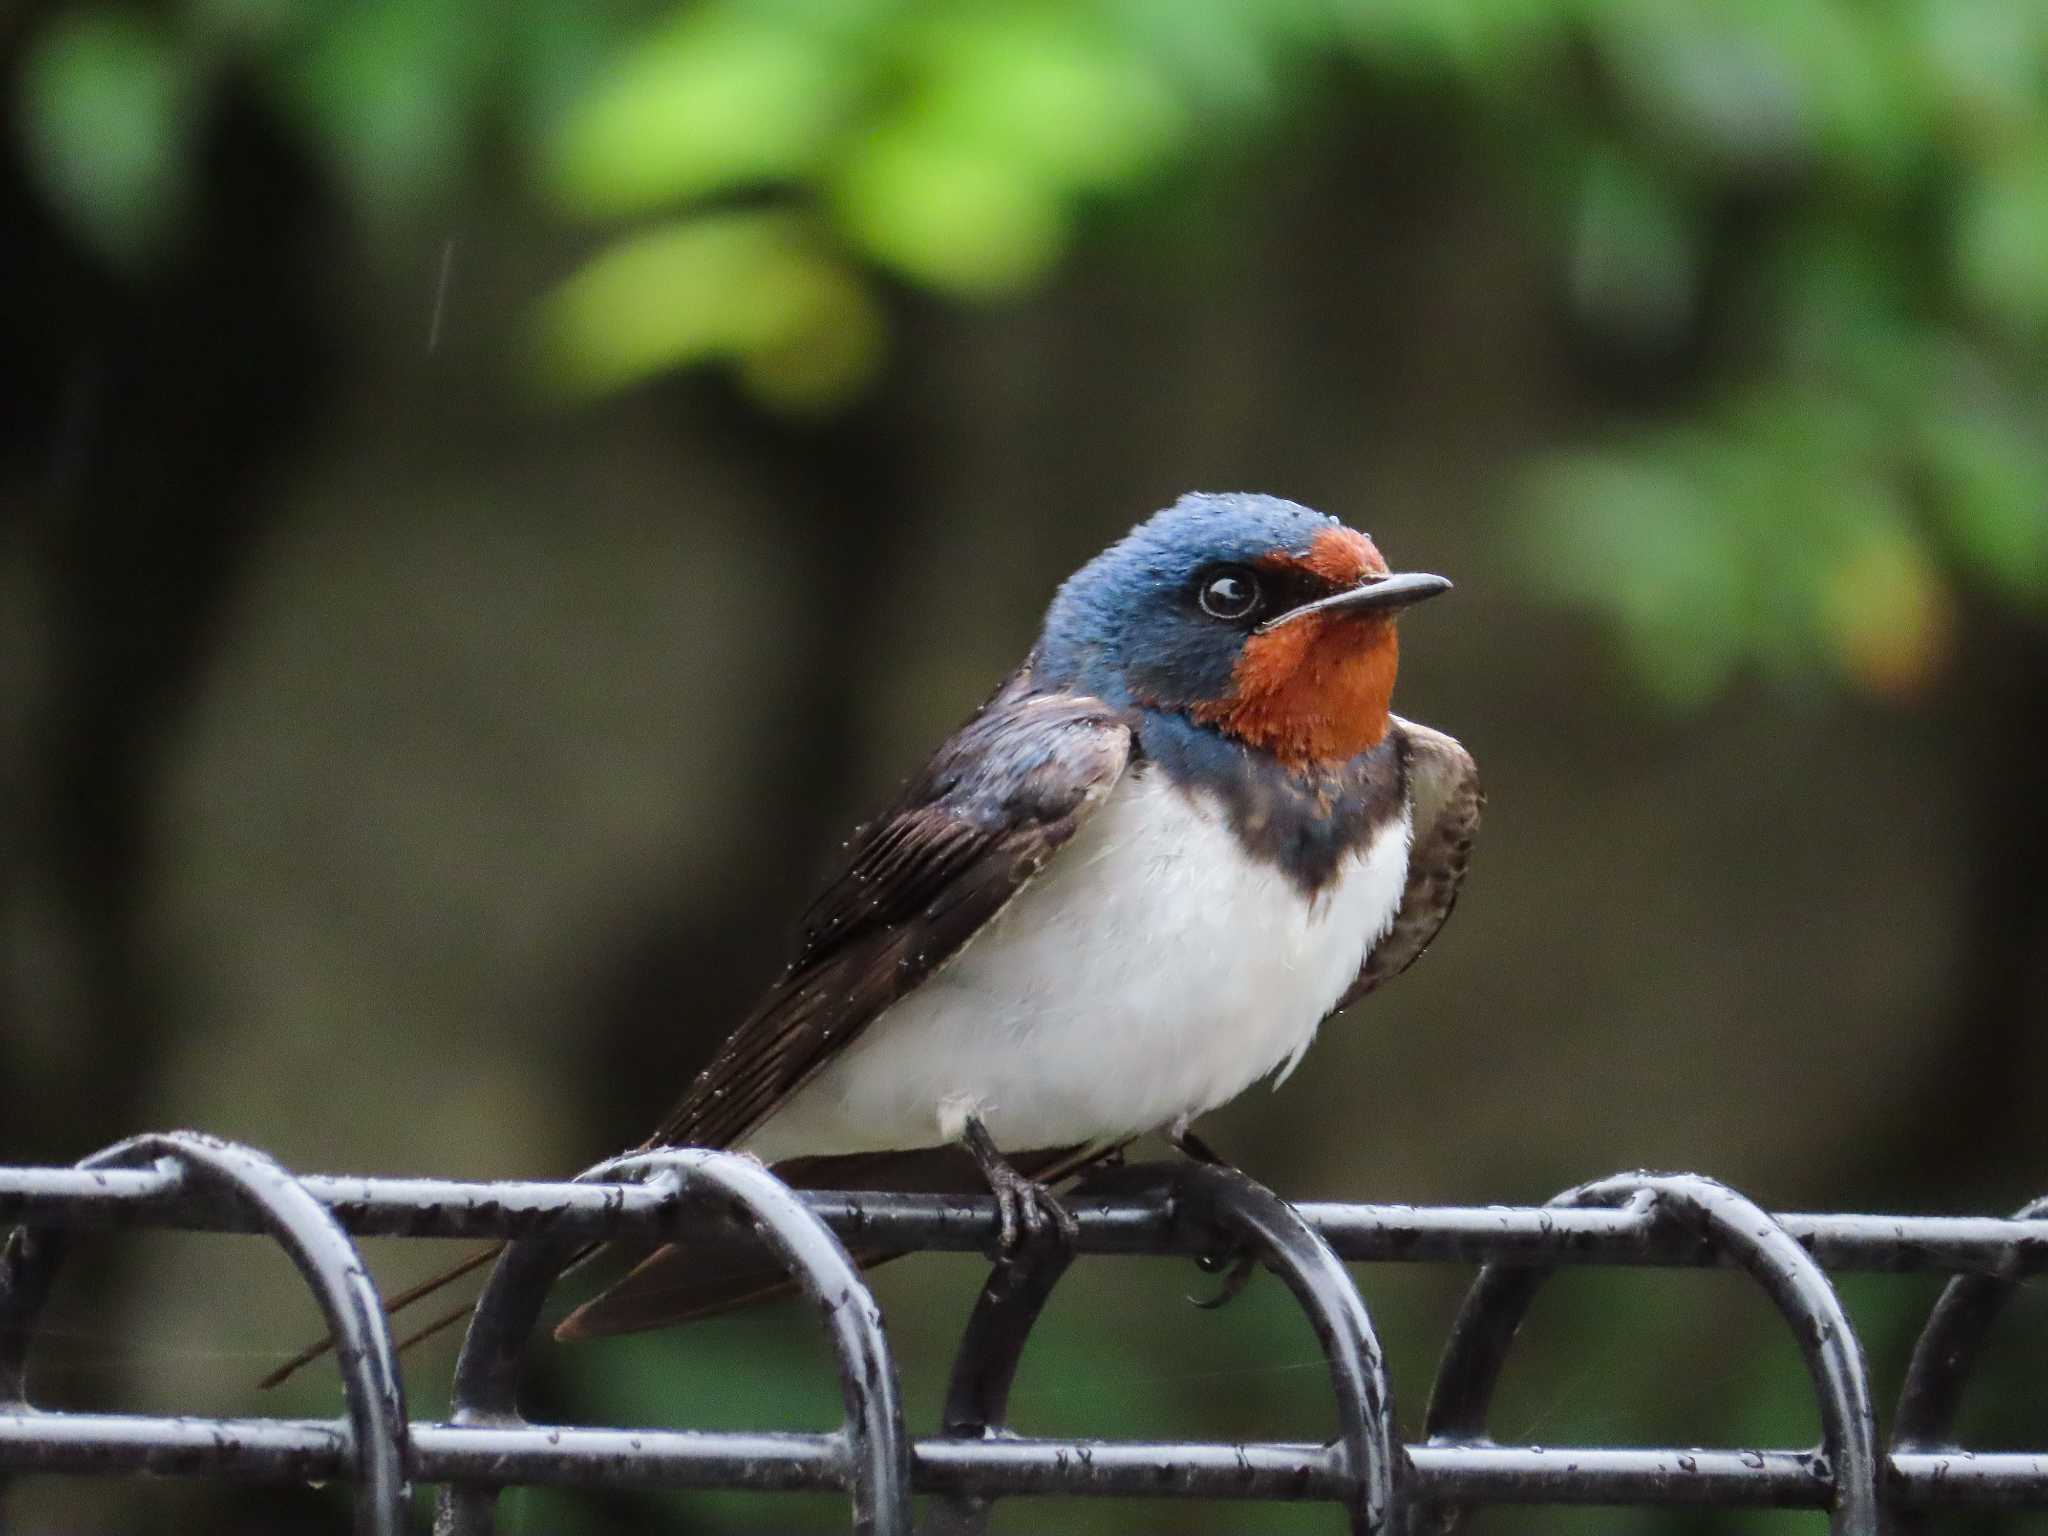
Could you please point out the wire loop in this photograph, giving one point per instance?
(192, 1183)
(1367, 1448)
(872, 1450)
(326, 1259)
(1721, 1219)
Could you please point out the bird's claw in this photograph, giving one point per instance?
(1242, 1267)
(1029, 1219)
(1240, 1264)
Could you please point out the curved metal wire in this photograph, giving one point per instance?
(198, 1185)
(1367, 1447)
(1500, 1298)
(1238, 1214)
(985, 1367)
(29, 1257)
(326, 1259)
(1949, 1348)
(874, 1449)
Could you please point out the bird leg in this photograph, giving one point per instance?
(1240, 1264)
(1186, 1141)
(1027, 1213)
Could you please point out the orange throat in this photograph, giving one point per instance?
(1314, 693)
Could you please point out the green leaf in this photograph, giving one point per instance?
(393, 88)
(1983, 60)
(1063, 101)
(1712, 88)
(108, 115)
(1467, 39)
(1759, 87)
(758, 290)
(1641, 541)
(1990, 482)
(1865, 100)
(716, 98)
(2001, 236)
(948, 214)
(1634, 258)
(1226, 56)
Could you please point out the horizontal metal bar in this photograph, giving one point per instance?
(1939, 1479)
(1125, 1469)
(627, 1458)
(313, 1450)
(1514, 1474)
(376, 1207)
(254, 1450)
(1539, 1234)
(1488, 1474)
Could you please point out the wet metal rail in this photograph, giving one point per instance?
(1864, 1483)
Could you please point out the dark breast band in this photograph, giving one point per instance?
(1303, 822)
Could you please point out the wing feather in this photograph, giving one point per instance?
(1444, 792)
(1001, 797)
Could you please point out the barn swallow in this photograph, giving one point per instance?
(1185, 832)
(1180, 836)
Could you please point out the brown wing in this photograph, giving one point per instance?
(995, 802)
(1443, 786)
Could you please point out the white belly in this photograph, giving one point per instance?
(1152, 971)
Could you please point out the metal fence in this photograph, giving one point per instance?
(196, 1183)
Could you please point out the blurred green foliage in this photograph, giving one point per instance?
(1862, 187)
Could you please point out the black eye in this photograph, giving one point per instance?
(1229, 592)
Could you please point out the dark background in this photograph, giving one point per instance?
(490, 494)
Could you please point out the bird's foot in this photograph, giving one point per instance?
(1187, 1142)
(1030, 1220)
(1241, 1266)
(1235, 1264)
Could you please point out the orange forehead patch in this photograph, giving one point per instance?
(1341, 556)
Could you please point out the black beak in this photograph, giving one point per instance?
(1379, 594)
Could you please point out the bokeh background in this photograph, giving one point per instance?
(491, 491)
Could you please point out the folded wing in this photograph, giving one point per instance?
(997, 801)
(1443, 788)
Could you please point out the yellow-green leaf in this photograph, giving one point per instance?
(713, 100)
(755, 289)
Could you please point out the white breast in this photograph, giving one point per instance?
(1152, 971)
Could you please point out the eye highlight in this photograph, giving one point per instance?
(1229, 592)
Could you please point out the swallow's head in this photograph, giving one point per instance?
(1252, 616)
